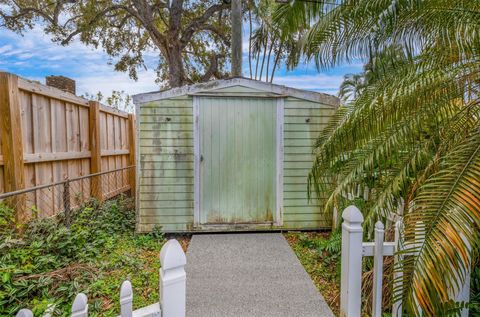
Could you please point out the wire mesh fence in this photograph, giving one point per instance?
(65, 196)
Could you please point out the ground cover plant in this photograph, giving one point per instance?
(319, 253)
(49, 263)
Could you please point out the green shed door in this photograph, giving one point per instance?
(237, 137)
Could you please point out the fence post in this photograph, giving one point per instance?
(12, 143)
(351, 280)
(378, 269)
(80, 306)
(95, 150)
(126, 299)
(132, 153)
(172, 280)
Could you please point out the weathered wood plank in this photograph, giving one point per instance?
(162, 157)
(152, 189)
(314, 128)
(174, 150)
(55, 156)
(51, 92)
(162, 135)
(307, 120)
(167, 196)
(166, 181)
(12, 147)
(301, 135)
(168, 119)
(149, 142)
(132, 159)
(292, 157)
(95, 149)
(150, 173)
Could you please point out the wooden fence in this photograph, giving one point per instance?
(47, 136)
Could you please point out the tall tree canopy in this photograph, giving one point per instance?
(191, 37)
(411, 136)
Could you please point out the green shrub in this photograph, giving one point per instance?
(50, 263)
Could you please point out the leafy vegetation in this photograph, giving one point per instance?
(49, 263)
(319, 254)
(407, 136)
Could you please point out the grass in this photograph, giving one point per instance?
(319, 254)
(50, 263)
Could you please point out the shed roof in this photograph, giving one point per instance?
(211, 86)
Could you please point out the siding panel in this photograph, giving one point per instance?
(166, 165)
(303, 122)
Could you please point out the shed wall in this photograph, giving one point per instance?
(166, 175)
(166, 165)
(303, 122)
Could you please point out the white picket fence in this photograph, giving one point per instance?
(172, 290)
(354, 249)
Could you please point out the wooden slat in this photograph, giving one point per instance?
(116, 192)
(50, 92)
(113, 111)
(12, 146)
(114, 152)
(95, 149)
(132, 154)
(55, 156)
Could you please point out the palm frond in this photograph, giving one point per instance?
(442, 225)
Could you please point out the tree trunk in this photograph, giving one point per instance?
(176, 73)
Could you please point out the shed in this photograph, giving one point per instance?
(226, 155)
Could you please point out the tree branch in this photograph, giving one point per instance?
(199, 23)
(213, 68)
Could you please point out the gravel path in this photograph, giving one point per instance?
(248, 275)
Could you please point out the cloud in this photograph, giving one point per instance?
(107, 81)
(319, 82)
(5, 48)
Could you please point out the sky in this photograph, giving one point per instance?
(34, 56)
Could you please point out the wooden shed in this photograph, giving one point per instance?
(228, 155)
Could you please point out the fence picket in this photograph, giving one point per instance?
(126, 299)
(378, 270)
(351, 279)
(172, 280)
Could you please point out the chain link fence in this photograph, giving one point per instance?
(65, 196)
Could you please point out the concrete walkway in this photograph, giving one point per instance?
(248, 275)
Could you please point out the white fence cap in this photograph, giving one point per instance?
(172, 255)
(352, 214)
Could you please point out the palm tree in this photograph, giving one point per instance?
(269, 47)
(412, 135)
(351, 87)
